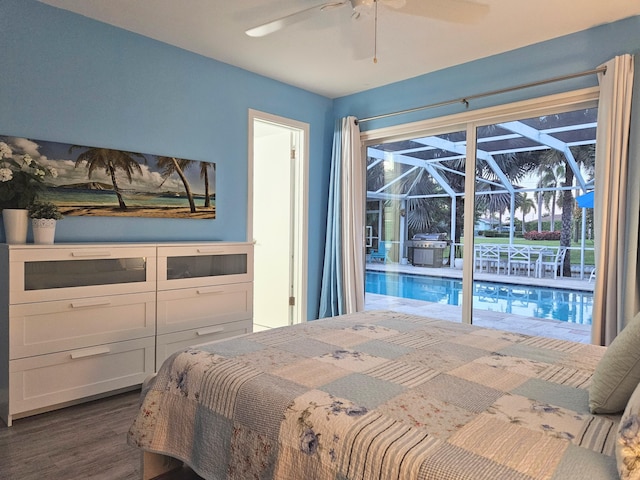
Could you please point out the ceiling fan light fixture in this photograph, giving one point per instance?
(362, 3)
(361, 7)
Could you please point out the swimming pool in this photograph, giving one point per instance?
(565, 305)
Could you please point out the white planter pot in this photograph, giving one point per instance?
(457, 263)
(16, 223)
(44, 230)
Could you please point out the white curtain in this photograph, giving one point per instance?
(617, 203)
(342, 288)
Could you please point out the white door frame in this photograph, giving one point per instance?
(300, 216)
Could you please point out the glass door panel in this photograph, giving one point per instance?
(530, 236)
(415, 212)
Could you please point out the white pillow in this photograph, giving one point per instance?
(628, 441)
(618, 372)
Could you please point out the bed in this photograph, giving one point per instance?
(378, 395)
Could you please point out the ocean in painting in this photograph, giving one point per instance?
(84, 197)
(83, 202)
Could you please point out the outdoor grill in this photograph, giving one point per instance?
(426, 249)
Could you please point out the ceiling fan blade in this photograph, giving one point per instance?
(455, 11)
(282, 22)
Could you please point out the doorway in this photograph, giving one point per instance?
(278, 219)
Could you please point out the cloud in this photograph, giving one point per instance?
(27, 146)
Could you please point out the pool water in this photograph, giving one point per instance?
(571, 306)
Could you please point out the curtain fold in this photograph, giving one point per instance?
(617, 203)
(342, 289)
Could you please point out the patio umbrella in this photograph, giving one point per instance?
(586, 200)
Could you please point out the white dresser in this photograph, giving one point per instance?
(205, 293)
(81, 320)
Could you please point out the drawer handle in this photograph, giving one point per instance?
(90, 253)
(209, 250)
(206, 291)
(90, 352)
(207, 331)
(90, 303)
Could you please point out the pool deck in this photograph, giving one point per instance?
(484, 318)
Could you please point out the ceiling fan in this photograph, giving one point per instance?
(458, 11)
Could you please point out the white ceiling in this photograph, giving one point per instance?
(319, 54)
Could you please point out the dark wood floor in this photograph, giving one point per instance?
(82, 442)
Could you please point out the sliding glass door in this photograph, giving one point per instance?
(478, 222)
(416, 189)
(533, 245)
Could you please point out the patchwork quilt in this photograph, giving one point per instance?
(380, 395)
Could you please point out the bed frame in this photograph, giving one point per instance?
(155, 464)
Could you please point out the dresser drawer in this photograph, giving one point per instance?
(43, 273)
(174, 342)
(195, 265)
(47, 327)
(189, 308)
(47, 380)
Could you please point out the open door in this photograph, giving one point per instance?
(278, 184)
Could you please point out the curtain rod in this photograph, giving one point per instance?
(466, 100)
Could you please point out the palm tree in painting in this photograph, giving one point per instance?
(204, 174)
(110, 161)
(171, 165)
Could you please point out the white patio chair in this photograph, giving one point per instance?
(488, 258)
(550, 260)
(519, 259)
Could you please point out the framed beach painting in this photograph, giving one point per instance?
(93, 181)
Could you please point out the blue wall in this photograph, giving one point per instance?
(66, 78)
(565, 55)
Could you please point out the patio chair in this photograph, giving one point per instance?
(548, 260)
(488, 258)
(519, 260)
(382, 254)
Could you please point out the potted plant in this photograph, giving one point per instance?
(44, 216)
(21, 180)
(458, 261)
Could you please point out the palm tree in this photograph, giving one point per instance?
(538, 196)
(551, 174)
(526, 204)
(584, 156)
(111, 161)
(171, 165)
(423, 214)
(557, 170)
(515, 167)
(204, 174)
